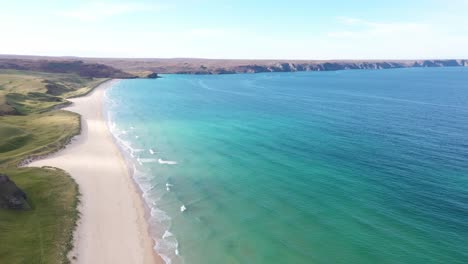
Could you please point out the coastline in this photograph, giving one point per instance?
(113, 226)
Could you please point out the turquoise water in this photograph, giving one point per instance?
(319, 167)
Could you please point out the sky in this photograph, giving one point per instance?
(240, 29)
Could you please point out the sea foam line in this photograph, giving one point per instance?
(166, 246)
(169, 162)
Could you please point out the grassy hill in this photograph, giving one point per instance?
(78, 67)
(30, 126)
(24, 92)
(35, 135)
(43, 234)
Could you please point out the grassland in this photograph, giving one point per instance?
(35, 135)
(30, 127)
(25, 92)
(43, 234)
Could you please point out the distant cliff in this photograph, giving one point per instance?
(323, 66)
(129, 68)
(209, 66)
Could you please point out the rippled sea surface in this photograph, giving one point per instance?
(320, 167)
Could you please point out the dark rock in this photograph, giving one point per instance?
(428, 63)
(12, 197)
(153, 75)
(332, 66)
(223, 71)
(448, 63)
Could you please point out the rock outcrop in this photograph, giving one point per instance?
(12, 197)
(153, 75)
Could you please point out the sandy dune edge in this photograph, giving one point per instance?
(112, 228)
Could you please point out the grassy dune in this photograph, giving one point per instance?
(35, 134)
(43, 234)
(25, 92)
(29, 127)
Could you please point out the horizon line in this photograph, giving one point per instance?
(214, 59)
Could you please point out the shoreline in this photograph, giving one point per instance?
(113, 225)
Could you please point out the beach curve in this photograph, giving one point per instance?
(112, 226)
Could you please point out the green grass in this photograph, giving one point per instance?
(25, 92)
(33, 102)
(30, 127)
(12, 137)
(43, 234)
(35, 135)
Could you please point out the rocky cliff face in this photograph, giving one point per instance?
(120, 67)
(12, 197)
(325, 66)
(153, 75)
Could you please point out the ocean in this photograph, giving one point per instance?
(358, 166)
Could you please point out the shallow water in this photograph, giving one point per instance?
(317, 167)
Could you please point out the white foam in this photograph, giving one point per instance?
(151, 187)
(124, 144)
(183, 208)
(166, 259)
(167, 244)
(167, 234)
(168, 162)
(159, 215)
(148, 160)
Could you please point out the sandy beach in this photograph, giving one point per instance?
(112, 228)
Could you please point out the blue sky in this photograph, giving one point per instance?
(241, 29)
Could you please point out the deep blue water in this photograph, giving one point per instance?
(316, 167)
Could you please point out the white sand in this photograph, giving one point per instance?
(112, 228)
